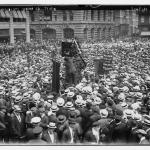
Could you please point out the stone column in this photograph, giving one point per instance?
(11, 29)
(27, 27)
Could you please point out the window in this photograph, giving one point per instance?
(104, 15)
(32, 16)
(4, 19)
(142, 19)
(48, 15)
(92, 33)
(19, 19)
(85, 15)
(55, 16)
(64, 16)
(85, 33)
(109, 15)
(71, 15)
(92, 14)
(99, 14)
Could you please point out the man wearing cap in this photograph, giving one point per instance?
(50, 135)
(62, 124)
(36, 139)
(92, 136)
(17, 124)
(118, 130)
(72, 133)
(60, 103)
(35, 122)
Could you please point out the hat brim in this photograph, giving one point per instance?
(50, 127)
(62, 121)
(146, 123)
(71, 121)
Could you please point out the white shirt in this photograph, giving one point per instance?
(18, 117)
(51, 136)
(96, 134)
(142, 138)
(71, 132)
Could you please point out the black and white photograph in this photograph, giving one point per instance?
(75, 74)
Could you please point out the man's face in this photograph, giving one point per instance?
(51, 129)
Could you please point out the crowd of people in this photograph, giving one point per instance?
(112, 108)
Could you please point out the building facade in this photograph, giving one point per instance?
(126, 23)
(66, 24)
(14, 25)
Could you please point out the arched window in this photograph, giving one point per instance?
(92, 33)
(104, 33)
(32, 33)
(109, 33)
(48, 33)
(85, 34)
(99, 33)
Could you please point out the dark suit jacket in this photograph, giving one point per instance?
(44, 122)
(66, 136)
(18, 128)
(46, 137)
(89, 137)
(119, 133)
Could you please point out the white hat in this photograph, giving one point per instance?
(17, 108)
(79, 97)
(36, 96)
(84, 80)
(139, 95)
(69, 104)
(115, 89)
(52, 125)
(79, 86)
(103, 113)
(141, 131)
(60, 101)
(125, 89)
(78, 102)
(97, 100)
(135, 106)
(136, 88)
(87, 89)
(70, 94)
(124, 105)
(148, 78)
(137, 117)
(36, 120)
(128, 112)
(1, 88)
(121, 96)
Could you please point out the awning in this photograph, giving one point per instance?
(2, 13)
(145, 33)
(24, 14)
(15, 15)
(7, 13)
(19, 14)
